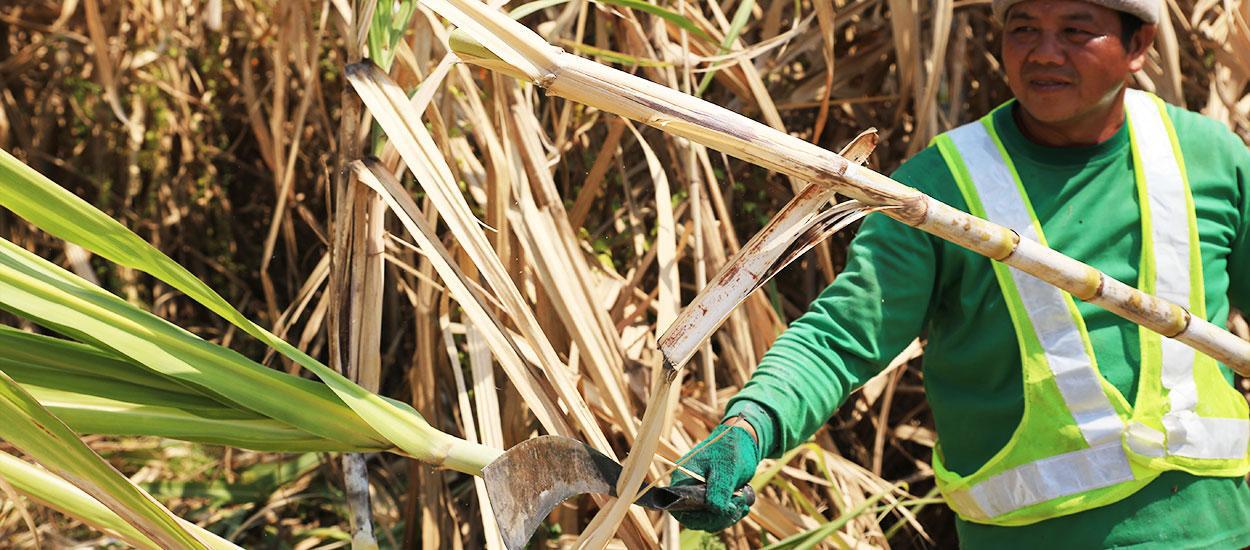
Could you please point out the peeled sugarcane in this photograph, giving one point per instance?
(605, 88)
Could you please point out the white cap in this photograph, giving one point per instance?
(1146, 10)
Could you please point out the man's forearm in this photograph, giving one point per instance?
(843, 339)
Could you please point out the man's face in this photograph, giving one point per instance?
(1065, 58)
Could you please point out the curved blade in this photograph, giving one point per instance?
(527, 482)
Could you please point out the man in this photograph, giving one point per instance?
(1059, 422)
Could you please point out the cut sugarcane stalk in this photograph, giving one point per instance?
(603, 87)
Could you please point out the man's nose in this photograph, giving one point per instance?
(1048, 51)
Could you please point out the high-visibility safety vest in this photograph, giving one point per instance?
(1079, 444)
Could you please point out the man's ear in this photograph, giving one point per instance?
(1139, 45)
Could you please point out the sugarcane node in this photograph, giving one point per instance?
(670, 371)
(913, 211)
(359, 68)
(1136, 304)
(1093, 281)
(1008, 246)
(546, 79)
(1163, 317)
(1181, 319)
(1102, 285)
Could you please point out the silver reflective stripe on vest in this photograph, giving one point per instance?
(1188, 434)
(1048, 312)
(1043, 480)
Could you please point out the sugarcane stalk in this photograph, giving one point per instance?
(638, 99)
(356, 275)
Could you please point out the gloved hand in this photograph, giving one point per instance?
(727, 464)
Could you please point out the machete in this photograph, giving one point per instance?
(529, 480)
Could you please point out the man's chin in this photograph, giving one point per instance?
(1047, 111)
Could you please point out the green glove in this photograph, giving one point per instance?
(727, 464)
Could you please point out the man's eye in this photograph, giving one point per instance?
(1078, 33)
(1023, 29)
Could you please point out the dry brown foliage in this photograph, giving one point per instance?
(215, 130)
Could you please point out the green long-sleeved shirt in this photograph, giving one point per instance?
(900, 282)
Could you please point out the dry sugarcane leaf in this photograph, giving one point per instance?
(416, 146)
(489, 527)
(378, 179)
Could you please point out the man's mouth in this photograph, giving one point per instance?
(1047, 84)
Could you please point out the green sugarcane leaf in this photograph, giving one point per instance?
(741, 16)
(98, 415)
(56, 493)
(822, 534)
(663, 13)
(73, 359)
(117, 391)
(33, 288)
(100, 393)
(58, 212)
(618, 57)
(31, 428)
(390, 20)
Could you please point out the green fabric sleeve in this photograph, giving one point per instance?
(846, 336)
(1239, 256)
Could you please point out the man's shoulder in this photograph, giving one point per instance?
(1201, 131)
(1214, 155)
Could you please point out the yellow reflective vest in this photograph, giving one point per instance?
(1079, 444)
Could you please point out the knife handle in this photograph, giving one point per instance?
(683, 498)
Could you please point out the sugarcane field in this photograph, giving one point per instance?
(845, 274)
